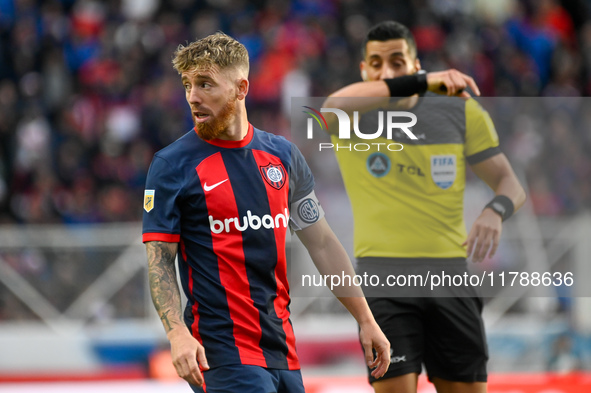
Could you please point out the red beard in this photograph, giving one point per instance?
(218, 125)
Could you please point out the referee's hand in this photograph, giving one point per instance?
(485, 234)
(187, 355)
(451, 83)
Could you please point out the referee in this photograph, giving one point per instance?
(408, 210)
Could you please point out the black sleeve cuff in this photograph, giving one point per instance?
(483, 155)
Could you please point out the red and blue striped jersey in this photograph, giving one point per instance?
(227, 204)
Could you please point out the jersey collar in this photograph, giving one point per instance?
(231, 144)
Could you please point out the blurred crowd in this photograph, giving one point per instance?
(88, 93)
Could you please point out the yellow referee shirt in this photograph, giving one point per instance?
(409, 203)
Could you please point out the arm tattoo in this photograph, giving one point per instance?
(163, 283)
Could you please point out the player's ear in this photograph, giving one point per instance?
(417, 64)
(363, 70)
(242, 90)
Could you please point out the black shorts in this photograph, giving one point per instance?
(445, 333)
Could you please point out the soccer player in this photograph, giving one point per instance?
(408, 209)
(222, 197)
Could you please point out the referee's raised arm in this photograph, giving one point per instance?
(378, 93)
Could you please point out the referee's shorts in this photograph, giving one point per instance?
(442, 329)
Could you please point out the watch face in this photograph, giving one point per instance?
(498, 207)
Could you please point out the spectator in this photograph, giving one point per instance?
(86, 90)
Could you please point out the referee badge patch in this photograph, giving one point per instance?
(378, 164)
(149, 200)
(443, 170)
(274, 175)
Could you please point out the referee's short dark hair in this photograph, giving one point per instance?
(391, 30)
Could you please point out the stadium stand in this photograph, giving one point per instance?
(88, 94)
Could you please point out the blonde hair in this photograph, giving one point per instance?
(218, 49)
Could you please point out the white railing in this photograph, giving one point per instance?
(57, 245)
(113, 260)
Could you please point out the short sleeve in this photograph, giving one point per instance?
(161, 220)
(305, 209)
(301, 180)
(482, 141)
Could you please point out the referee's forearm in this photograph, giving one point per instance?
(511, 188)
(401, 86)
(363, 89)
(366, 96)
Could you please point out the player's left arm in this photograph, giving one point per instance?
(330, 258)
(497, 173)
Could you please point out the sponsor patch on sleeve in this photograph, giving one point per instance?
(149, 200)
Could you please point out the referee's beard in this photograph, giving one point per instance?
(213, 128)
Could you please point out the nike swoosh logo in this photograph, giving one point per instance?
(209, 188)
